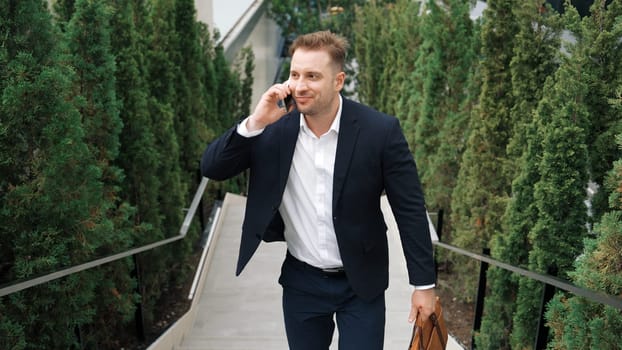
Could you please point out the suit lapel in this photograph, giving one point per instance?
(348, 135)
(288, 136)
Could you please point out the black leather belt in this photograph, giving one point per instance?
(330, 272)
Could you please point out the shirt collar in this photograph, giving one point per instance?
(333, 127)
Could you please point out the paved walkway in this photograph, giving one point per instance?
(241, 313)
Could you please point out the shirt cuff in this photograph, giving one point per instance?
(243, 131)
(427, 286)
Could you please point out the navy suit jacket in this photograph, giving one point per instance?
(372, 158)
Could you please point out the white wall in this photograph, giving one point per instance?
(205, 12)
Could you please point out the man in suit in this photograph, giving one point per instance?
(317, 172)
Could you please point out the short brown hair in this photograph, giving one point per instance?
(336, 45)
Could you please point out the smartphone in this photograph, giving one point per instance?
(287, 103)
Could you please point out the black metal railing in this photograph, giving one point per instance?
(16, 286)
(550, 283)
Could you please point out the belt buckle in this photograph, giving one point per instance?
(333, 270)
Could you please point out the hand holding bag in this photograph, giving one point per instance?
(431, 335)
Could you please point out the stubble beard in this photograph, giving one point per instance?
(317, 109)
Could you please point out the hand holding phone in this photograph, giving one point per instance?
(276, 102)
(286, 103)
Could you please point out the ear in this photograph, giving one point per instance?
(340, 80)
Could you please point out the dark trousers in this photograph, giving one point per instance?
(313, 300)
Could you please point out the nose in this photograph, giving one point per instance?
(297, 85)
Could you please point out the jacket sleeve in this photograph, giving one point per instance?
(406, 198)
(227, 156)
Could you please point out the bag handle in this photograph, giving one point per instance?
(417, 329)
(437, 326)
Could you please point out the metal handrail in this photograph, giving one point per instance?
(17, 286)
(602, 298)
(206, 248)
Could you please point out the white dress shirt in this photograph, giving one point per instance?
(306, 207)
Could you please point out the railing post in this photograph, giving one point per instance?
(78, 332)
(439, 232)
(481, 294)
(138, 313)
(201, 205)
(439, 223)
(542, 333)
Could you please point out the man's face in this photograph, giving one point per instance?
(315, 82)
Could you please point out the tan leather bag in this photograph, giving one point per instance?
(431, 335)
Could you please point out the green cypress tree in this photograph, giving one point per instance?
(385, 51)
(513, 247)
(447, 52)
(155, 23)
(480, 196)
(534, 60)
(51, 192)
(399, 34)
(245, 76)
(190, 107)
(227, 78)
(431, 55)
(368, 49)
(406, 97)
(409, 84)
(5, 149)
(88, 35)
(64, 9)
(138, 156)
(602, 30)
(227, 92)
(576, 322)
(230, 85)
(559, 194)
(88, 38)
(210, 88)
(457, 130)
(215, 126)
(162, 74)
(536, 48)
